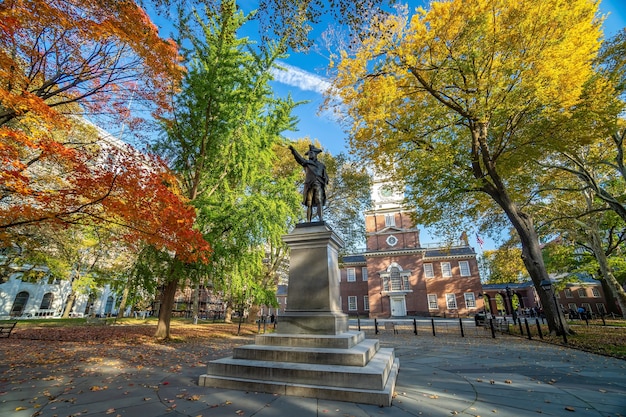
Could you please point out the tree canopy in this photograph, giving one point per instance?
(61, 61)
(457, 99)
(223, 138)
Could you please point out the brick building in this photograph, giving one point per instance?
(585, 292)
(395, 276)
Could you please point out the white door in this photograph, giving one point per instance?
(398, 307)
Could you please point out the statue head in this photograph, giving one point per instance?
(312, 152)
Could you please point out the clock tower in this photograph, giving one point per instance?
(393, 253)
(387, 225)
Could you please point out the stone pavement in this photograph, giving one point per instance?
(439, 376)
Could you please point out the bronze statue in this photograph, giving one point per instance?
(314, 193)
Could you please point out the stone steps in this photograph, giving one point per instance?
(372, 376)
(358, 355)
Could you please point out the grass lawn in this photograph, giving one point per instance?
(605, 338)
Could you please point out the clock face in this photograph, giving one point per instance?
(386, 191)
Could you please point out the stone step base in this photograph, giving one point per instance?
(358, 355)
(373, 375)
(380, 397)
(344, 340)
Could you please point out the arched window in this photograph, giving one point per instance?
(395, 279)
(20, 302)
(46, 301)
(109, 305)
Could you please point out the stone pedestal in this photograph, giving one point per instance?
(312, 354)
(313, 300)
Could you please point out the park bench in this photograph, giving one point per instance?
(389, 325)
(7, 328)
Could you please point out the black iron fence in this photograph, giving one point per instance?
(480, 326)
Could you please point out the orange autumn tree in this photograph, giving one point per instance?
(64, 59)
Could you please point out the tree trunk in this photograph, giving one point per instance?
(69, 304)
(165, 312)
(228, 313)
(617, 292)
(533, 260)
(253, 314)
(484, 169)
(196, 302)
(122, 306)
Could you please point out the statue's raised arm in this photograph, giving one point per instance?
(314, 193)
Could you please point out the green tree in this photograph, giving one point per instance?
(504, 265)
(460, 97)
(590, 231)
(84, 256)
(222, 140)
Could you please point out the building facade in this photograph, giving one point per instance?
(19, 299)
(396, 276)
(586, 293)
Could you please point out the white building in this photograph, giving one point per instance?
(20, 299)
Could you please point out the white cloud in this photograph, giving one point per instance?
(299, 78)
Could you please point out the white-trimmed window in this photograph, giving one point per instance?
(352, 303)
(364, 273)
(446, 270)
(451, 301)
(470, 300)
(595, 291)
(586, 306)
(390, 220)
(582, 292)
(568, 293)
(396, 279)
(572, 306)
(432, 302)
(464, 268)
(366, 302)
(350, 274)
(429, 272)
(600, 307)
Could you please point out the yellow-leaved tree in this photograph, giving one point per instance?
(460, 99)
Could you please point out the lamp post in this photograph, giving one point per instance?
(547, 286)
(509, 295)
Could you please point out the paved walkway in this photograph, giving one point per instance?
(439, 376)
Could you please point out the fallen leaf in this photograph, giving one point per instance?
(568, 408)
